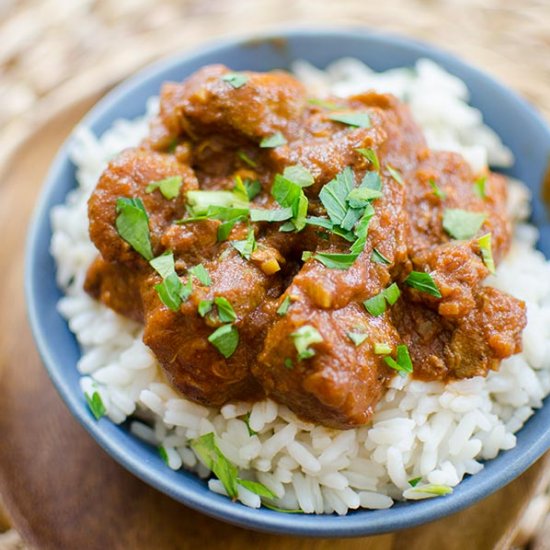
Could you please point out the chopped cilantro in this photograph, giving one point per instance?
(171, 291)
(402, 364)
(132, 224)
(303, 338)
(200, 273)
(376, 305)
(275, 140)
(484, 243)
(379, 258)
(358, 120)
(204, 307)
(283, 308)
(357, 337)
(358, 197)
(164, 264)
(335, 260)
(225, 310)
(246, 159)
(415, 481)
(433, 489)
(256, 488)
(163, 454)
(323, 103)
(333, 195)
(276, 215)
(381, 348)
(290, 195)
(201, 203)
(423, 282)
(439, 193)
(247, 246)
(462, 224)
(253, 188)
(480, 187)
(288, 363)
(371, 156)
(236, 80)
(225, 339)
(299, 175)
(246, 420)
(169, 187)
(95, 403)
(395, 174)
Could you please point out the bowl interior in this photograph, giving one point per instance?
(518, 125)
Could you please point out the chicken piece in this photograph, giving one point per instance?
(128, 175)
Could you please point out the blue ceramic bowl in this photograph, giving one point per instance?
(515, 121)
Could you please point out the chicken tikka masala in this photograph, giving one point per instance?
(308, 250)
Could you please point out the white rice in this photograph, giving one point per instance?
(429, 430)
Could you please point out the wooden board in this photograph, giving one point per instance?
(62, 491)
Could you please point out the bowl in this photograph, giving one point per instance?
(519, 126)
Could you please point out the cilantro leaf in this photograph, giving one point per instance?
(170, 291)
(462, 224)
(225, 310)
(333, 195)
(95, 403)
(253, 188)
(236, 80)
(357, 337)
(439, 193)
(290, 195)
(204, 307)
(276, 215)
(200, 202)
(275, 140)
(423, 282)
(209, 453)
(299, 175)
(283, 308)
(331, 106)
(371, 156)
(164, 264)
(303, 338)
(376, 305)
(379, 258)
(432, 489)
(395, 174)
(247, 246)
(415, 481)
(132, 224)
(358, 120)
(402, 364)
(225, 339)
(246, 159)
(200, 273)
(484, 243)
(360, 196)
(335, 260)
(169, 187)
(257, 488)
(381, 348)
(480, 187)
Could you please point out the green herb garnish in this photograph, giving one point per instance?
(333, 195)
(423, 282)
(402, 364)
(276, 215)
(376, 305)
(275, 140)
(132, 224)
(172, 292)
(164, 455)
(257, 488)
(439, 193)
(288, 363)
(225, 339)
(415, 481)
(381, 348)
(379, 258)
(357, 120)
(291, 195)
(299, 175)
(371, 156)
(480, 187)
(303, 338)
(95, 403)
(485, 247)
(205, 307)
(395, 174)
(283, 308)
(247, 246)
(169, 187)
(225, 310)
(357, 337)
(164, 264)
(323, 103)
(235, 79)
(253, 188)
(462, 224)
(433, 489)
(335, 260)
(200, 273)
(246, 159)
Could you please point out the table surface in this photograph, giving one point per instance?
(63, 491)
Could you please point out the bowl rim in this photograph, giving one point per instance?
(357, 523)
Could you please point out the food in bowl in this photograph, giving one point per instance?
(316, 252)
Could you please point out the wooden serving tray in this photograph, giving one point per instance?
(62, 491)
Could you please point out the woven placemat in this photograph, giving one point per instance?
(53, 51)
